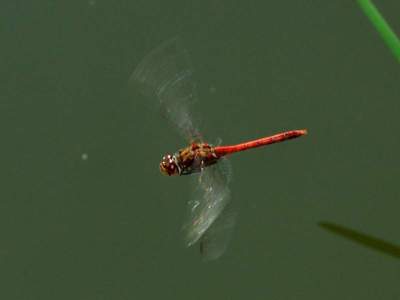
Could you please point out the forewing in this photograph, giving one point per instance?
(166, 74)
(211, 196)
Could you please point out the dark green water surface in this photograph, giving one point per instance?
(84, 212)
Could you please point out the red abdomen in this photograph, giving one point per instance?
(277, 138)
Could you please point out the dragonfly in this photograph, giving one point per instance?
(166, 75)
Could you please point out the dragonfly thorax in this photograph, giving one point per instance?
(169, 165)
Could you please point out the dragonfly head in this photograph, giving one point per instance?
(169, 165)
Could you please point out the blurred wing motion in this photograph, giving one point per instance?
(166, 74)
(216, 239)
(205, 208)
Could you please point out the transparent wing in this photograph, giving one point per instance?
(166, 74)
(216, 239)
(211, 196)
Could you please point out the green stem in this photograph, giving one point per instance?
(382, 26)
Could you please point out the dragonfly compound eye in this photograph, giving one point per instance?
(168, 166)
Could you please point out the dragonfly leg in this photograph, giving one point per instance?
(202, 166)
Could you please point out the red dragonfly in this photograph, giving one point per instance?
(166, 74)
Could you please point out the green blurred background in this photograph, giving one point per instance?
(84, 212)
